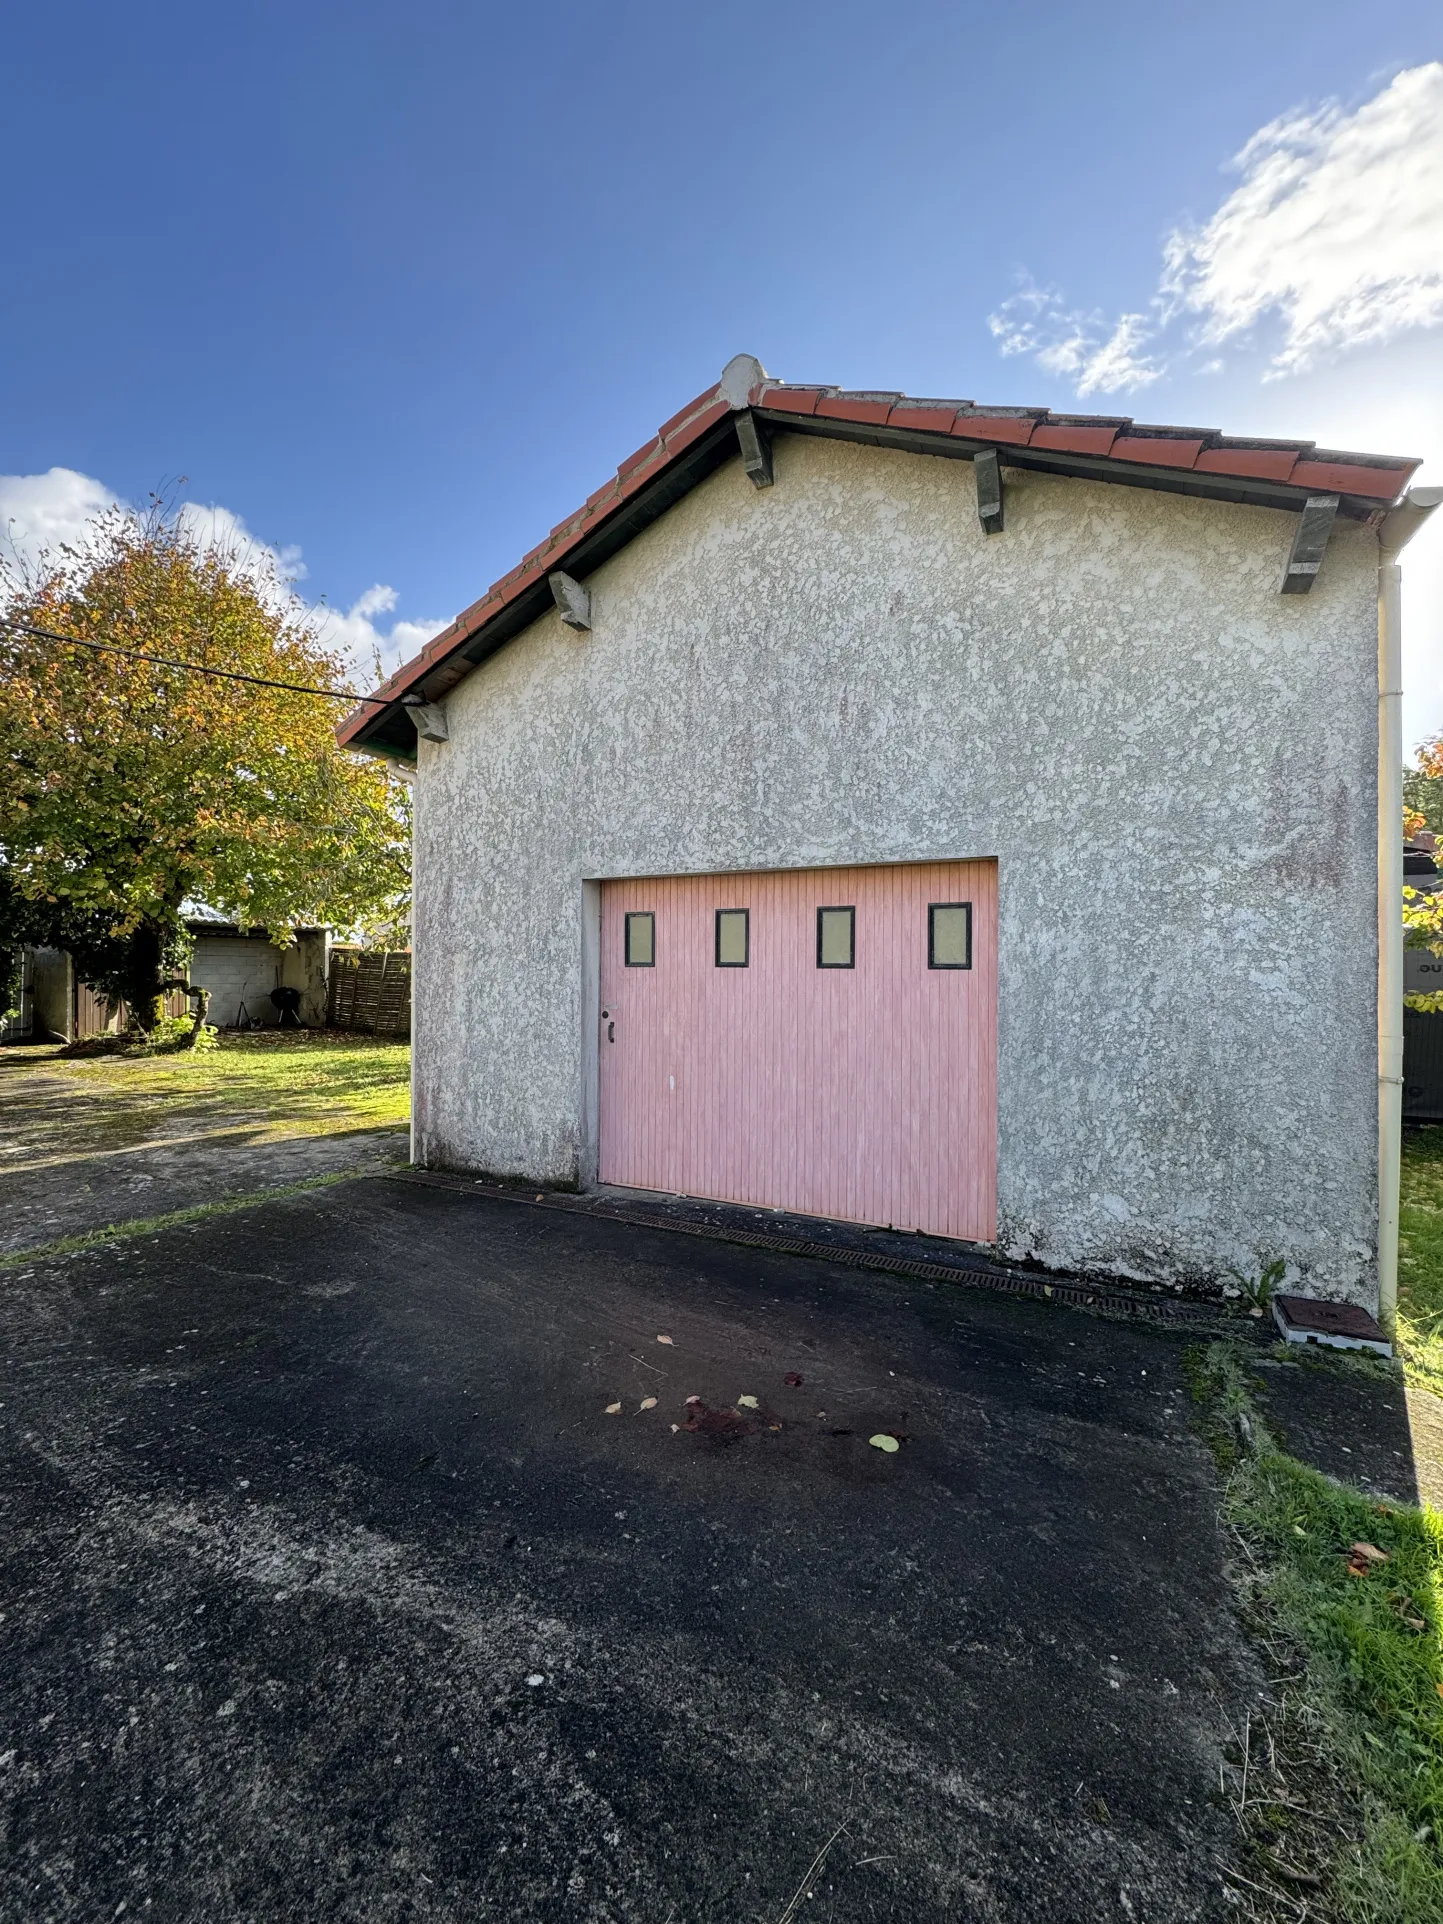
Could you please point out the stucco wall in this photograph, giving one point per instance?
(1173, 764)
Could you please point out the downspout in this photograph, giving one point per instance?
(1398, 528)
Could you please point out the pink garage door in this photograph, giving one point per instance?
(823, 1040)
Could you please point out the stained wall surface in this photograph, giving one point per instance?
(1173, 765)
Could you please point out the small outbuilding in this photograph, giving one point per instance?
(239, 967)
(242, 968)
(922, 814)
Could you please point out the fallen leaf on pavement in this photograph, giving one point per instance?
(693, 1399)
(646, 1403)
(881, 1441)
(667, 1340)
(746, 1403)
(792, 1380)
(613, 1409)
(675, 1428)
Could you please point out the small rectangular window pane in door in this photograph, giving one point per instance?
(732, 938)
(641, 940)
(836, 945)
(949, 935)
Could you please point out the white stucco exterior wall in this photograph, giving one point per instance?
(1173, 764)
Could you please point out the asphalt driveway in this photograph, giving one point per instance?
(332, 1590)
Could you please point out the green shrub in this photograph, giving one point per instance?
(172, 1034)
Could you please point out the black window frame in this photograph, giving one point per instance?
(638, 915)
(932, 962)
(838, 908)
(746, 960)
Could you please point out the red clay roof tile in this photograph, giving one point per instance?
(1255, 464)
(789, 400)
(1347, 477)
(639, 459)
(695, 423)
(868, 409)
(931, 416)
(1071, 437)
(1008, 429)
(683, 415)
(1162, 450)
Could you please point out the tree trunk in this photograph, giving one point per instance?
(201, 1000)
(143, 983)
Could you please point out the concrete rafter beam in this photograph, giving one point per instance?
(572, 600)
(756, 447)
(988, 471)
(429, 719)
(1314, 526)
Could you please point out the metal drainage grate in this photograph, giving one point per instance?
(975, 1275)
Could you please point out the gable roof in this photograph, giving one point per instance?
(700, 437)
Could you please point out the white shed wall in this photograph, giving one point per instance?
(1173, 765)
(237, 968)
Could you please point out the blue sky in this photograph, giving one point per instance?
(397, 287)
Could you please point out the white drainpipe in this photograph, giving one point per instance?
(1398, 528)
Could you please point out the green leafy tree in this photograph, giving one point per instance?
(1422, 908)
(128, 787)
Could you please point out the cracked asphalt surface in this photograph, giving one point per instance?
(331, 1591)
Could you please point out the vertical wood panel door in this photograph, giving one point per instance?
(760, 1044)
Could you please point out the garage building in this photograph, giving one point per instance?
(922, 814)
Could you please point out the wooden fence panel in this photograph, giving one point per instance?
(95, 1016)
(370, 992)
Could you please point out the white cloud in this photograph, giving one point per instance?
(39, 513)
(1100, 357)
(1336, 229)
(1332, 239)
(359, 637)
(217, 527)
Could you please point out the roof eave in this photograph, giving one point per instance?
(702, 437)
(1253, 491)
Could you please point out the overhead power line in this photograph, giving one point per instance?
(191, 667)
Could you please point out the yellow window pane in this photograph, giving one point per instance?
(834, 938)
(731, 938)
(951, 935)
(641, 940)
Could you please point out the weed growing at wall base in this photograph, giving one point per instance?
(1346, 1595)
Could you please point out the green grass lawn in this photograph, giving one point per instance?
(1420, 1259)
(309, 1082)
(1348, 1780)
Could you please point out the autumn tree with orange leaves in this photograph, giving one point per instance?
(126, 787)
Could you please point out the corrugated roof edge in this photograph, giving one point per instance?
(1115, 440)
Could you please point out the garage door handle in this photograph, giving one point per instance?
(611, 1032)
